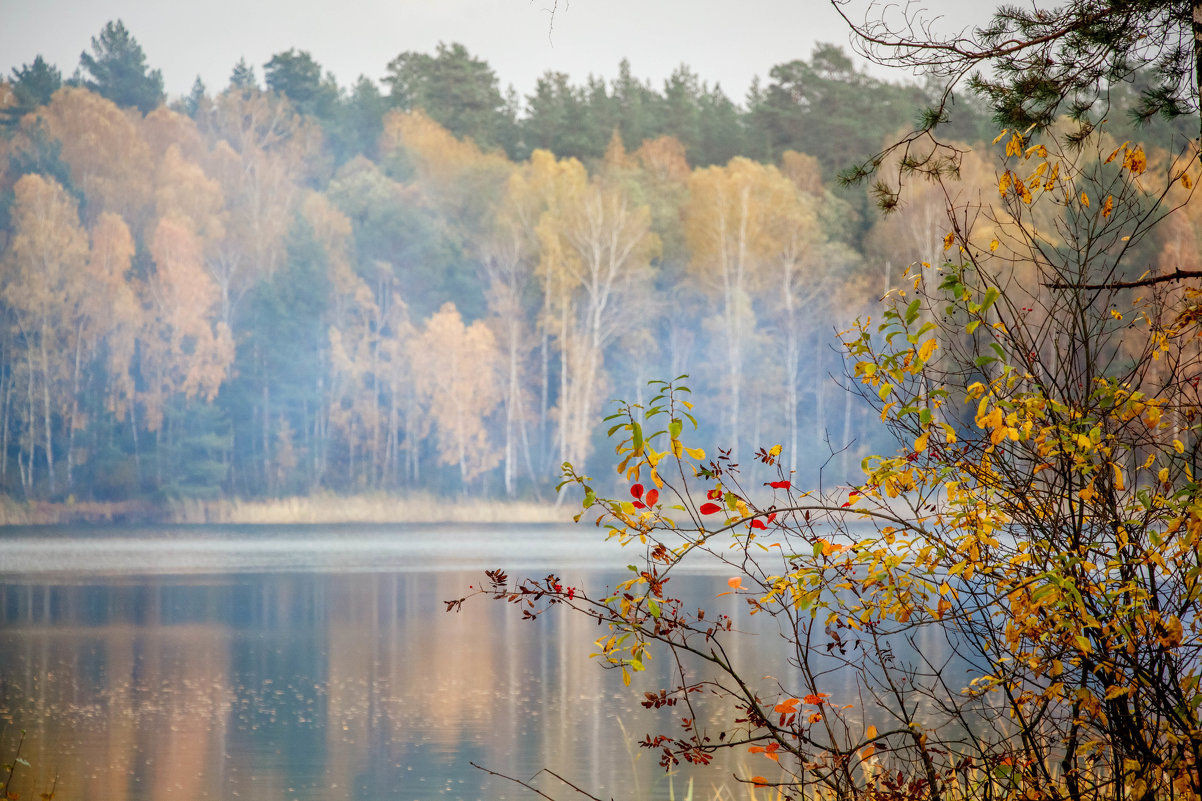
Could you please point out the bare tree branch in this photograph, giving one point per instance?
(1176, 275)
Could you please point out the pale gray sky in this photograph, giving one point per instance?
(728, 41)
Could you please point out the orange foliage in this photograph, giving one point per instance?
(111, 307)
(664, 159)
(108, 160)
(456, 370)
(183, 351)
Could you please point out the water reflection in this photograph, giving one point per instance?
(309, 686)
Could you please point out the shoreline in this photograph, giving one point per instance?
(319, 509)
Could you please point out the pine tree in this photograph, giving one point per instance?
(117, 70)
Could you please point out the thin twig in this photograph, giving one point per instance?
(531, 787)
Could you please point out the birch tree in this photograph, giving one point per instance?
(456, 372)
(43, 288)
(596, 252)
(728, 233)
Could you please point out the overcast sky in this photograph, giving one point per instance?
(726, 41)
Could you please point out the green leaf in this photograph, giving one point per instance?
(912, 311)
(674, 428)
(991, 295)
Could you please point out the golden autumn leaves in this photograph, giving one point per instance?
(1042, 517)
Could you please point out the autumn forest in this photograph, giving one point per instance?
(286, 285)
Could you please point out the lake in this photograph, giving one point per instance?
(304, 663)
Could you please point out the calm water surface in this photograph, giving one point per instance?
(317, 663)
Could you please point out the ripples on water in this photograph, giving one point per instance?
(316, 663)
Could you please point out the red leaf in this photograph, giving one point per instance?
(771, 517)
(710, 508)
(758, 524)
(637, 490)
(780, 484)
(652, 497)
(639, 505)
(713, 495)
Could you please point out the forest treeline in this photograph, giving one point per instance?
(292, 286)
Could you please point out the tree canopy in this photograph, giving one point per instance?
(116, 69)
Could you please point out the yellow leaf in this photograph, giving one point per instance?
(1108, 206)
(1136, 160)
(1174, 632)
(993, 245)
(949, 240)
(1177, 446)
(870, 733)
(1003, 184)
(1001, 135)
(1051, 182)
(774, 450)
(1118, 477)
(1085, 200)
(920, 444)
(927, 348)
(1185, 180)
(696, 453)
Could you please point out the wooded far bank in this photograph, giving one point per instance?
(429, 285)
